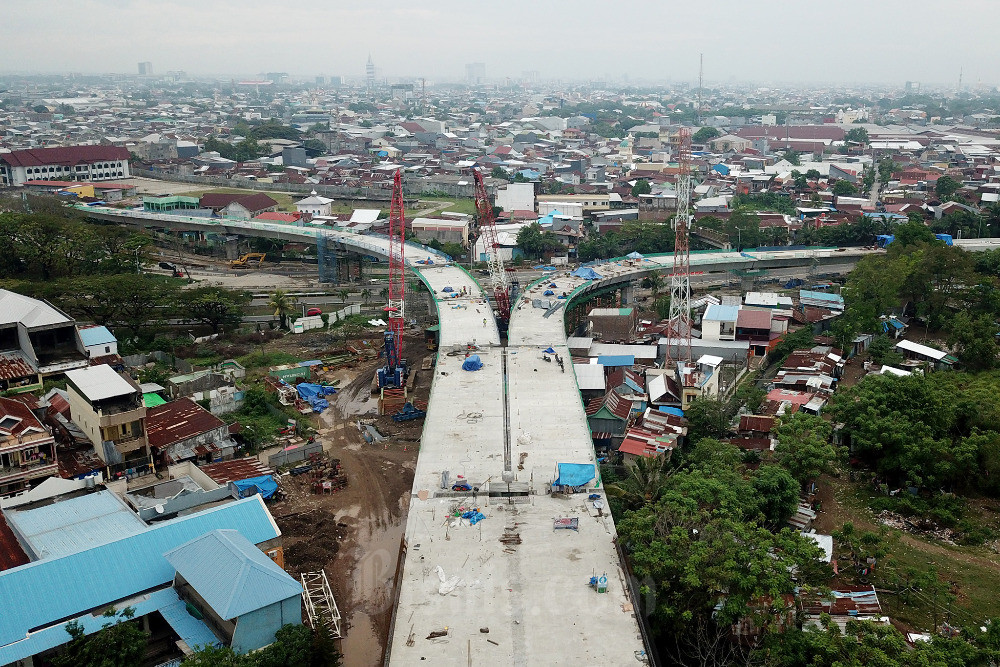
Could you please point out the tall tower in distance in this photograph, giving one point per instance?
(146, 69)
(370, 74)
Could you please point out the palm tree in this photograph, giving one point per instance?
(655, 283)
(283, 305)
(384, 293)
(645, 482)
(366, 296)
(342, 294)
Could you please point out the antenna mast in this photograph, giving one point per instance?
(679, 331)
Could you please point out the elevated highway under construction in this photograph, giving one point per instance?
(510, 555)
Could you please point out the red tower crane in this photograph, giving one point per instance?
(488, 230)
(679, 336)
(394, 372)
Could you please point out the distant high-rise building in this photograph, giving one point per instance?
(370, 74)
(475, 73)
(320, 80)
(146, 69)
(276, 77)
(336, 81)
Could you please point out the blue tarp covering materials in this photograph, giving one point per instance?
(946, 238)
(265, 485)
(474, 516)
(549, 350)
(313, 395)
(884, 239)
(449, 288)
(672, 411)
(553, 285)
(574, 474)
(473, 363)
(634, 255)
(587, 273)
(548, 292)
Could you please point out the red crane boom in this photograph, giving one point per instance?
(488, 230)
(395, 313)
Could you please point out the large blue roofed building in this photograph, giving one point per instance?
(114, 559)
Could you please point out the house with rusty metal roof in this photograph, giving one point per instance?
(182, 430)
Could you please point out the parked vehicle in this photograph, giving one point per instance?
(314, 311)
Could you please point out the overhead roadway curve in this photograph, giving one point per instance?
(511, 573)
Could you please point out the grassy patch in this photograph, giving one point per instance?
(254, 360)
(458, 204)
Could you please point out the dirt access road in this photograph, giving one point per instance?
(355, 533)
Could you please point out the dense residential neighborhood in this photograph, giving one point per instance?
(379, 368)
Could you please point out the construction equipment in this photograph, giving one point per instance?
(395, 372)
(679, 331)
(408, 413)
(498, 276)
(247, 258)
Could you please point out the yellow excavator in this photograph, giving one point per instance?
(247, 259)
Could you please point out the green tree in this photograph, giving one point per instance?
(975, 338)
(644, 482)
(641, 187)
(314, 147)
(706, 419)
(844, 188)
(119, 643)
(883, 351)
(366, 296)
(945, 187)
(778, 492)
(804, 447)
(215, 307)
(857, 135)
(793, 157)
(500, 172)
(283, 304)
(705, 134)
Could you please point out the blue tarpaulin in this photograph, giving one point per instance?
(946, 238)
(553, 285)
(473, 363)
(587, 273)
(672, 411)
(549, 350)
(313, 395)
(548, 292)
(265, 485)
(449, 288)
(884, 239)
(574, 474)
(616, 359)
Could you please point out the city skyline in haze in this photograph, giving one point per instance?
(851, 42)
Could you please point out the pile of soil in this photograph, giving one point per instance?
(312, 538)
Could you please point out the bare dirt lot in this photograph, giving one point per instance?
(355, 533)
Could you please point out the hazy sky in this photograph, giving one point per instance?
(766, 40)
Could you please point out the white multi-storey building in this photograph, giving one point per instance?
(65, 163)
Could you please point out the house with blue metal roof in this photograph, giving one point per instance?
(242, 592)
(125, 565)
(98, 341)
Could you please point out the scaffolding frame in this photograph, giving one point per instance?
(326, 259)
(321, 608)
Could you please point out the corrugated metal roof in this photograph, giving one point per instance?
(589, 376)
(29, 312)
(231, 574)
(177, 421)
(721, 313)
(65, 527)
(616, 360)
(96, 336)
(100, 382)
(65, 587)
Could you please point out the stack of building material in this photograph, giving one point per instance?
(391, 400)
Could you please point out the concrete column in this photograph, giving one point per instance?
(627, 294)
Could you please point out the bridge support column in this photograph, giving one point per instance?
(627, 294)
(326, 261)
